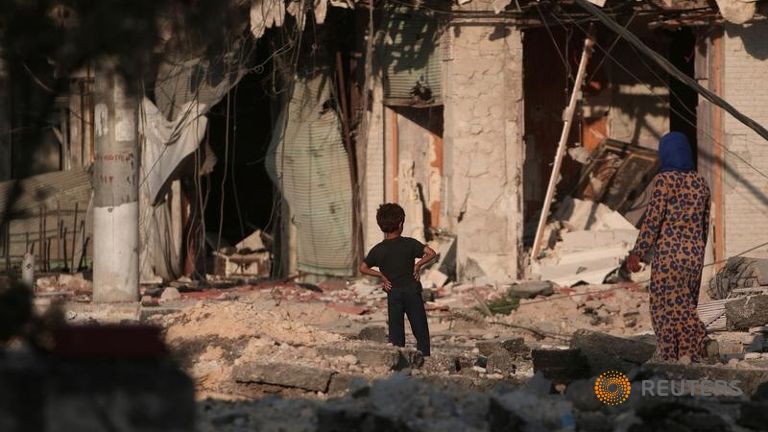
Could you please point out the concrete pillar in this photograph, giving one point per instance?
(116, 191)
(484, 150)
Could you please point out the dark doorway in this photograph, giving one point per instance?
(683, 99)
(239, 191)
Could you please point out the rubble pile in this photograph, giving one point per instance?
(74, 287)
(591, 242)
(405, 403)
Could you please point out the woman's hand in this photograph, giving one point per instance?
(633, 263)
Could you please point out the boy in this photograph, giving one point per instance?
(395, 257)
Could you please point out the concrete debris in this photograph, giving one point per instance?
(374, 334)
(434, 278)
(170, 294)
(743, 313)
(308, 378)
(560, 365)
(594, 242)
(583, 215)
(502, 363)
(606, 352)
(252, 243)
(515, 347)
(388, 357)
(739, 273)
(736, 344)
(530, 289)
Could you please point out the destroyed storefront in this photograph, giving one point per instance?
(456, 116)
(501, 119)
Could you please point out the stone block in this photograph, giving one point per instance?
(743, 313)
(531, 289)
(341, 382)
(386, 356)
(515, 347)
(501, 362)
(560, 365)
(309, 378)
(604, 352)
(374, 334)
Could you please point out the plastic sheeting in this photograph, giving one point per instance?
(308, 162)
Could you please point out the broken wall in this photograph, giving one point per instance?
(633, 95)
(745, 189)
(484, 150)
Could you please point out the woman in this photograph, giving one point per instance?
(676, 225)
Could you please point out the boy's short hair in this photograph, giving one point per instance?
(389, 217)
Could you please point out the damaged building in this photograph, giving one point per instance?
(453, 110)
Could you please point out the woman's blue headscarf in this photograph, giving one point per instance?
(675, 153)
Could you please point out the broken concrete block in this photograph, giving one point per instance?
(374, 334)
(739, 272)
(576, 215)
(501, 362)
(309, 378)
(743, 313)
(385, 356)
(560, 365)
(604, 352)
(531, 289)
(440, 362)
(515, 347)
(170, 294)
(731, 343)
(341, 382)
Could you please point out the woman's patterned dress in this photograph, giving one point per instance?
(676, 224)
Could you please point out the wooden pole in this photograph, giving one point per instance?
(567, 123)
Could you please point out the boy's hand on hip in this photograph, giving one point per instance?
(387, 284)
(417, 272)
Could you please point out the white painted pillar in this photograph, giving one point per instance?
(116, 192)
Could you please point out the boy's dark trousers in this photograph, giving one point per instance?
(407, 301)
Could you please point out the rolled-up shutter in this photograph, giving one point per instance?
(410, 58)
(308, 162)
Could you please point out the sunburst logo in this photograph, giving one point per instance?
(612, 388)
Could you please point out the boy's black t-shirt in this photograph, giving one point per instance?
(395, 259)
